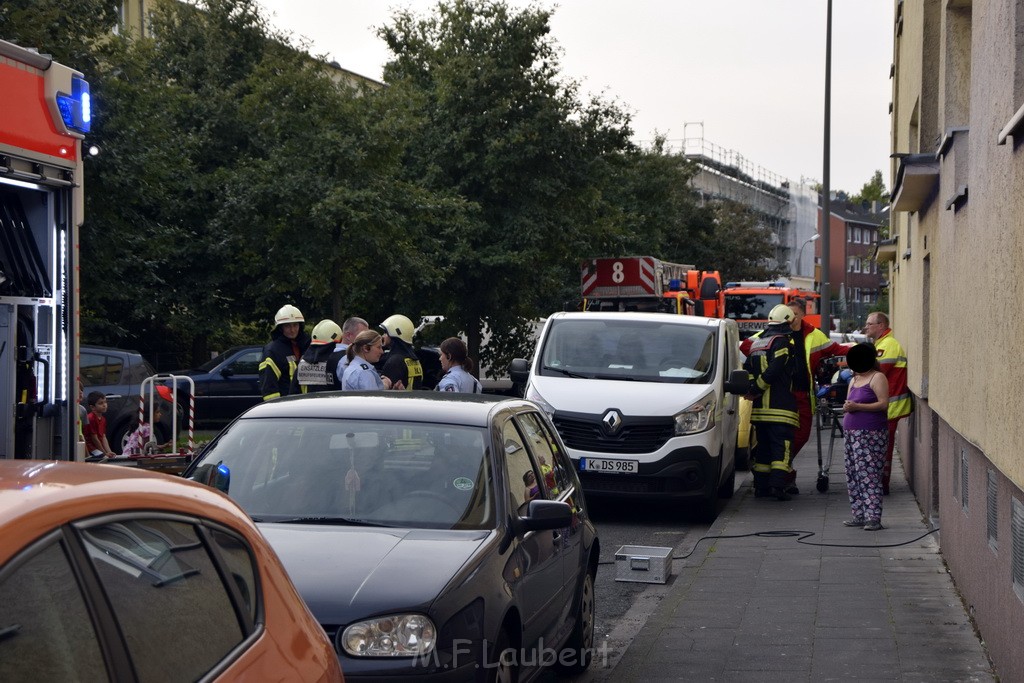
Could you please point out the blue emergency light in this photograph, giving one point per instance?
(76, 108)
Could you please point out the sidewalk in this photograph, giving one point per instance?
(755, 609)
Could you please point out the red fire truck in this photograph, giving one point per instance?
(644, 283)
(748, 303)
(45, 115)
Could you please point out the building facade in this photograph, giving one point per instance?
(955, 260)
(855, 277)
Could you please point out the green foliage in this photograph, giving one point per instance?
(502, 130)
(738, 247)
(70, 32)
(872, 191)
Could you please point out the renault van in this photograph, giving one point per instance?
(646, 403)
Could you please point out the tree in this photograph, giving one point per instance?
(503, 130)
(872, 191)
(70, 32)
(738, 246)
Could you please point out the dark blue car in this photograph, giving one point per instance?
(225, 386)
(437, 535)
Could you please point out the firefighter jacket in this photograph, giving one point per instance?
(892, 361)
(769, 367)
(817, 346)
(317, 370)
(279, 362)
(403, 366)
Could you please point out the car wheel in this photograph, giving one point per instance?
(579, 650)
(118, 437)
(503, 662)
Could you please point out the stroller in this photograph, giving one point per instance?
(833, 380)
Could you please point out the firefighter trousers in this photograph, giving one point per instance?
(772, 455)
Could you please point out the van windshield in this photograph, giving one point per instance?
(649, 351)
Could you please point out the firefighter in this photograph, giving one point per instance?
(892, 361)
(770, 368)
(317, 370)
(401, 366)
(813, 346)
(281, 355)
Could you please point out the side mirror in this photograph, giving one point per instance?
(216, 476)
(519, 370)
(738, 382)
(227, 372)
(545, 514)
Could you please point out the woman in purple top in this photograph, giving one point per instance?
(865, 431)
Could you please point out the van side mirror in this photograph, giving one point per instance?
(738, 383)
(216, 476)
(519, 370)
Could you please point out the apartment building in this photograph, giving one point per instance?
(955, 264)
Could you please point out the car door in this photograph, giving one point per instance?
(557, 484)
(107, 373)
(233, 387)
(539, 553)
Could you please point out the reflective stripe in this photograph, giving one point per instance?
(270, 396)
(269, 363)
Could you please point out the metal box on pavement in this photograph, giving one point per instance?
(643, 564)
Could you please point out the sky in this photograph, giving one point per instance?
(731, 77)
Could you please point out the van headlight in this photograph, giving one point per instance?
(533, 395)
(696, 418)
(397, 635)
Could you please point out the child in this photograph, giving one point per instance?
(96, 430)
(138, 440)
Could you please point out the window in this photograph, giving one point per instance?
(555, 479)
(47, 632)
(849, 233)
(164, 587)
(522, 478)
(248, 363)
(99, 369)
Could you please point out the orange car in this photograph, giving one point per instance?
(110, 573)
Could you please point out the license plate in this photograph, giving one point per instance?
(614, 466)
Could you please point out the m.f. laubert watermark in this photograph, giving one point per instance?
(463, 652)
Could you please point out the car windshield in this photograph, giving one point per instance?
(379, 473)
(649, 351)
(750, 306)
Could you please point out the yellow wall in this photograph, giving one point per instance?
(956, 302)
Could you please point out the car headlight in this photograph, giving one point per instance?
(533, 395)
(397, 635)
(696, 418)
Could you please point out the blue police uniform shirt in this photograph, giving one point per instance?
(361, 376)
(342, 363)
(457, 379)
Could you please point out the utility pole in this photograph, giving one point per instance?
(826, 200)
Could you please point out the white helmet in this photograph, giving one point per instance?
(326, 332)
(288, 314)
(781, 314)
(398, 326)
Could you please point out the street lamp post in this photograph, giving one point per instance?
(800, 252)
(826, 200)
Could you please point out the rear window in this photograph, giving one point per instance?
(750, 306)
(652, 351)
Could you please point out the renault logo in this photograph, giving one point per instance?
(612, 420)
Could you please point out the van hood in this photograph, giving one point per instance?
(595, 396)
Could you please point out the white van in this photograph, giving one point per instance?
(646, 403)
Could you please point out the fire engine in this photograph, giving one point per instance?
(748, 303)
(46, 113)
(644, 283)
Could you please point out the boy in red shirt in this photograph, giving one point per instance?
(96, 430)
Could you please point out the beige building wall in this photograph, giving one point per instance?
(956, 272)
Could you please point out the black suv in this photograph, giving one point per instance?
(118, 373)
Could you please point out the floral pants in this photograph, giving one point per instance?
(865, 459)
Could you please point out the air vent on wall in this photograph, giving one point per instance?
(1017, 537)
(963, 479)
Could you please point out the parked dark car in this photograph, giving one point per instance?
(118, 373)
(432, 534)
(225, 386)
